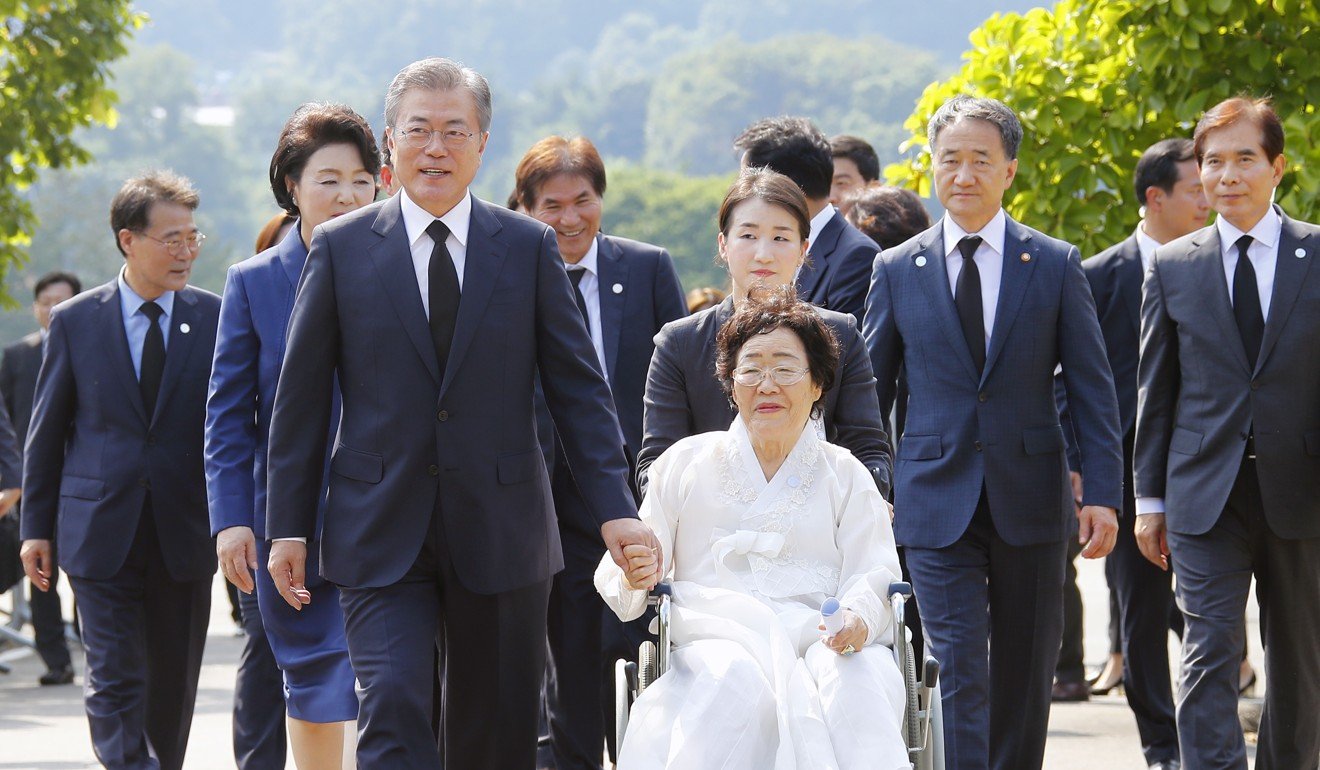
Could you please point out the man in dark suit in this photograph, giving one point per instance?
(1228, 444)
(440, 523)
(855, 166)
(839, 256)
(1173, 204)
(626, 291)
(981, 310)
(18, 383)
(114, 453)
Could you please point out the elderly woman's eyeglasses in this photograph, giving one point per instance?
(176, 246)
(452, 138)
(752, 376)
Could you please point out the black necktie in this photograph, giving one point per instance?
(575, 275)
(153, 357)
(1246, 302)
(442, 287)
(967, 296)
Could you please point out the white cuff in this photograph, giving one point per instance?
(302, 540)
(1150, 505)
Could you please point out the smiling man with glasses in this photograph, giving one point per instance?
(115, 460)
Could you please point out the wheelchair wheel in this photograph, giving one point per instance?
(648, 666)
(912, 732)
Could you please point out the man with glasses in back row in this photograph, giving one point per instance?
(114, 454)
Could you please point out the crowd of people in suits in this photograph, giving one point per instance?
(415, 421)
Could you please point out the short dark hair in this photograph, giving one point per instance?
(860, 152)
(512, 203)
(765, 310)
(131, 207)
(54, 277)
(773, 188)
(556, 155)
(1158, 166)
(1259, 111)
(795, 148)
(992, 111)
(312, 126)
(888, 215)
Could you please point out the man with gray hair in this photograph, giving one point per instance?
(434, 310)
(981, 310)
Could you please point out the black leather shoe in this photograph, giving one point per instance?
(1168, 764)
(1070, 692)
(62, 675)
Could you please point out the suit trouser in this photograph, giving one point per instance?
(48, 621)
(1145, 599)
(259, 736)
(1214, 578)
(575, 677)
(1071, 666)
(981, 589)
(494, 662)
(143, 632)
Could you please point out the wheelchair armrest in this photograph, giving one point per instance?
(662, 589)
(902, 588)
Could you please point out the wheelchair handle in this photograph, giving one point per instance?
(902, 588)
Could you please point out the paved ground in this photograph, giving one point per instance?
(43, 728)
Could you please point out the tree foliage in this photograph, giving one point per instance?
(54, 57)
(1095, 82)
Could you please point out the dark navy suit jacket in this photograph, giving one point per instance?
(649, 297)
(18, 380)
(1001, 430)
(93, 451)
(1199, 399)
(683, 397)
(836, 274)
(254, 319)
(407, 444)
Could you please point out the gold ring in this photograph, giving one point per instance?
(849, 650)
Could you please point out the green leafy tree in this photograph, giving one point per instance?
(1095, 82)
(54, 58)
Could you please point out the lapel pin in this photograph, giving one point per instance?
(184, 328)
(1300, 253)
(921, 261)
(1025, 257)
(617, 288)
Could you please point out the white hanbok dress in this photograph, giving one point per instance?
(750, 685)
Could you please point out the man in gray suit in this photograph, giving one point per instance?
(1227, 460)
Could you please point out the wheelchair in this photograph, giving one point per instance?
(923, 723)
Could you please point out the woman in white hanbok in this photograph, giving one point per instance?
(759, 525)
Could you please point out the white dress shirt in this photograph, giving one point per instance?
(1146, 246)
(590, 288)
(989, 259)
(818, 223)
(415, 221)
(1264, 255)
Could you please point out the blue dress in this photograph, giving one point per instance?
(309, 646)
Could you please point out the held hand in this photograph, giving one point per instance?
(852, 635)
(618, 533)
(643, 567)
(37, 563)
(1075, 479)
(1153, 539)
(236, 548)
(288, 560)
(1097, 530)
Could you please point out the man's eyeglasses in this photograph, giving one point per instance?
(751, 376)
(419, 138)
(176, 246)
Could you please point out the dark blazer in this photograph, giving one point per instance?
(254, 317)
(835, 274)
(409, 445)
(683, 397)
(93, 451)
(18, 380)
(11, 452)
(999, 431)
(1198, 398)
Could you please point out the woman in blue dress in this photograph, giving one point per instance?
(324, 166)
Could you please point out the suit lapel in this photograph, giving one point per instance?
(1206, 264)
(392, 258)
(818, 252)
(116, 342)
(1290, 271)
(183, 332)
(485, 258)
(613, 271)
(292, 256)
(933, 274)
(1016, 274)
(1129, 276)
